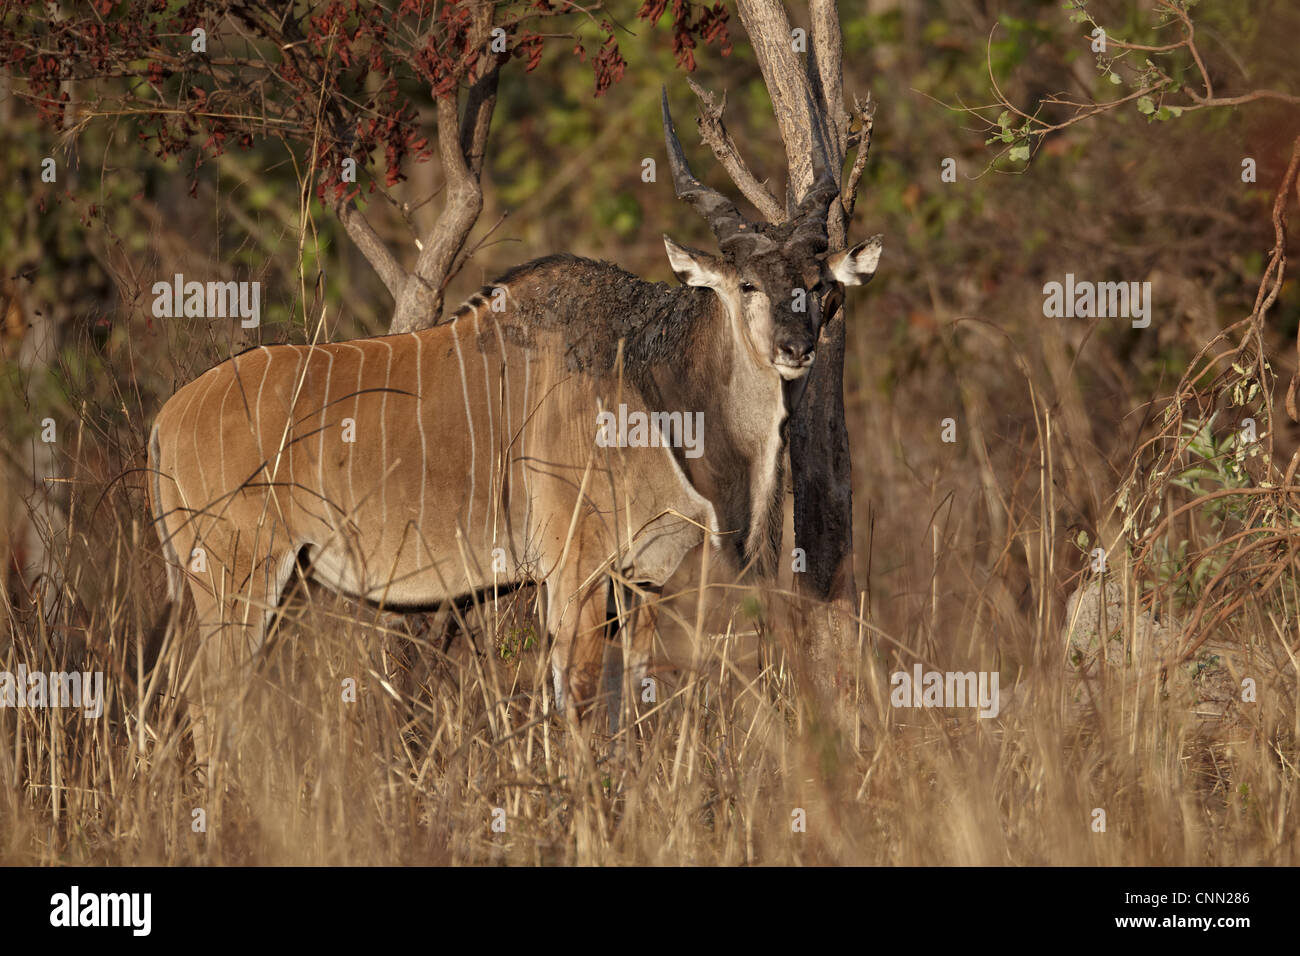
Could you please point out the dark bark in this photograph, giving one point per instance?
(808, 101)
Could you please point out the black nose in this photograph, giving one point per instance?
(796, 352)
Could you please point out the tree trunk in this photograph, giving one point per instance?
(809, 104)
(823, 513)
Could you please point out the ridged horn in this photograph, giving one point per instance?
(810, 217)
(736, 235)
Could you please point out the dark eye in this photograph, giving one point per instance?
(748, 287)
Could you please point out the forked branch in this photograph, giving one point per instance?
(714, 134)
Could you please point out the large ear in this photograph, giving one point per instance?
(694, 267)
(856, 266)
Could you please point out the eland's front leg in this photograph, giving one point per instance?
(577, 619)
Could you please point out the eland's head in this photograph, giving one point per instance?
(772, 278)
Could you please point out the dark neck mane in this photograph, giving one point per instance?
(594, 305)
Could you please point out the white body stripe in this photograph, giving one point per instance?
(356, 410)
(221, 433)
(257, 409)
(325, 406)
(419, 424)
(523, 455)
(383, 434)
(469, 423)
(492, 440)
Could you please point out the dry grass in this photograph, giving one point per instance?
(443, 732)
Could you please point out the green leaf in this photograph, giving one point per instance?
(1019, 154)
(1114, 78)
(1005, 119)
(1146, 105)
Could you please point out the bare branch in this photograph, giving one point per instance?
(866, 114)
(482, 99)
(477, 121)
(420, 303)
(468, 254)
(372, 247)
(769, 31)
(1157, 86)
(714, 134)
(461, 144)
(826, 75)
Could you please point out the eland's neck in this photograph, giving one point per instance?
(744, 410)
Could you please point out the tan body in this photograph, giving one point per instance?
(473, 462)
(437, 478)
